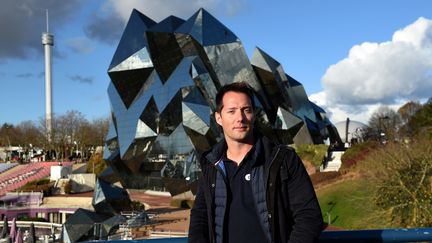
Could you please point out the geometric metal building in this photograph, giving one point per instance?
(110, 199)
(80, 225)
(164, 79)
(85, 225)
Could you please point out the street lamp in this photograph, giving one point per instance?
(380, 128)
(8, 151)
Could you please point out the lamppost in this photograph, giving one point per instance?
(8, 151)
(75, 152)
(382, 135)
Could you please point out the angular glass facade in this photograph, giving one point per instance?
(164, 79)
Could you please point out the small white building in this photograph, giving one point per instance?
(350, 131)
(60, 172)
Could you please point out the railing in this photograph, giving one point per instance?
(43, 225)
(379, 235)
(351, 236)
(167, 234)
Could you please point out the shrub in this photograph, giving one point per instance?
(313, 153)
(356, 153)
(42, 181)
(42, 185)
(402, 174)
(98, 162)
(182, 203)
(68, 187)
(33, 219)
(137, 206)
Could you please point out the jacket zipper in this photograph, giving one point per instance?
(271, 163)
(219, 170)
(269, 191)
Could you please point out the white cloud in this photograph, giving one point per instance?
(374, 74)
(160, 9)
(340, 112)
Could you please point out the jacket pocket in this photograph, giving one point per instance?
(284, 175)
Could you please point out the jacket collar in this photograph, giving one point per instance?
(263, 148)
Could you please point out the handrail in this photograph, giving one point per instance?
(351, 236)
(378, 235)
(37, 224)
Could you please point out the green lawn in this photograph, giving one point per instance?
(350, 205)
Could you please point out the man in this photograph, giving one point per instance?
(251, 190)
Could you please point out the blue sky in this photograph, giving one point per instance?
(351, 56)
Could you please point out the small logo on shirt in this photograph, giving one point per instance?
(247, 177)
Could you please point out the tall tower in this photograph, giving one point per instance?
(48, 42)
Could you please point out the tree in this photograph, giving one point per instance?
(70, 132)
(30, 134)
(68, 126)
(73, 132)
(92, 135)
(421, 121)
(100, 127)
(7, 134)
(384, 122)
(406, 112)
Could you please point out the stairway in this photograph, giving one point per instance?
(332, 162)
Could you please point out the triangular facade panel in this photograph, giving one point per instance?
(132, 39)
(207, 30)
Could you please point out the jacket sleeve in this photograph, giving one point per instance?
(198, 227)
(306, 212)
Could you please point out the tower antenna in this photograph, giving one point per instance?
(47, 21)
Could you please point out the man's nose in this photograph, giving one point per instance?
(240, 116)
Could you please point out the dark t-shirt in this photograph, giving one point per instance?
(242, 221)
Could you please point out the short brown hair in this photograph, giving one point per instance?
(239, 87)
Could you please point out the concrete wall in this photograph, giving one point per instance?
(82, 182)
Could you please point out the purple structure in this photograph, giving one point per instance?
(23, 205)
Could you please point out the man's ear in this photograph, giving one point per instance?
(218, 118)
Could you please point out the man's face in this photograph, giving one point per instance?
(236, 117)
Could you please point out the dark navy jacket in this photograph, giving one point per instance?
(283, 193)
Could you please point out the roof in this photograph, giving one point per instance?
(67, 202)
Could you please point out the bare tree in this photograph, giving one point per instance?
(93, 135)
(7, 135)
(67, 134)
(406, 112)
(100, 127)
(385, 123)
(70, 132)
(30, 134)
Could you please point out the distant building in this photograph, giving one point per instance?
(351, 131)
(16, 153)
(60, 172)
